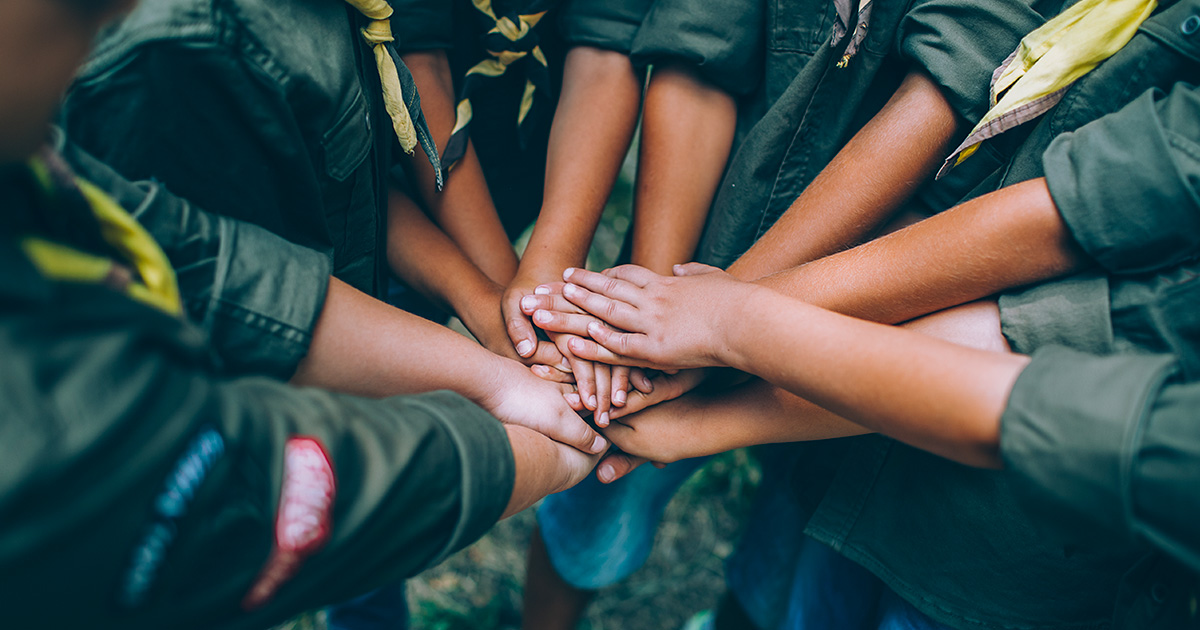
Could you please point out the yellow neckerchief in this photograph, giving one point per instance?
(378, 33)
(513, 32)
(157, 288)
(1048, 60)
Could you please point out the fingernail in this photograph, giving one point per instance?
(592, 401)
(576, 345)
(567, 272)
(598, 444)
(594, 329)
(541, 317)
(619, 397)
(542, 290)
(574, 399)
(564, 365)
(525, 347)
(529, 302)
(603, 419)
(606, 473)
(540, 370)
(570, 289)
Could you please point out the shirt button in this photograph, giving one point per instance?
(1190, 25)
(1158, 593)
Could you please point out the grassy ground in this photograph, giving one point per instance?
(481, 587)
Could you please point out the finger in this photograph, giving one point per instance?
(548, 373)
(549, 302)
(617, 465)
(590, 350)
(615, 312)
(666, 388)
(640, 381)
(573, 401)
(549, 288)
(620, 384)
(619, 343)
(658, 465)
(520, 329)
(547, 354)
(633, 274)
(568, 428)
(614, 288)
(603, 393)
(584, 370)
(693, 269)
(572, 323)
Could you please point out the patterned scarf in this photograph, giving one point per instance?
(845, 12)
(144, 273)
(1048, 61)
(510, 38)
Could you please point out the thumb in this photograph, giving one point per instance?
(693, 269)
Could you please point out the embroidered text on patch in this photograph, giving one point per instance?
(169, 506)
(302, 524)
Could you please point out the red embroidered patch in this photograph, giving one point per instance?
(302, 524)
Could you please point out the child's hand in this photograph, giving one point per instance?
(593, 382)
(483, 319)
(518, 397)
(672, 322)
(517, 324)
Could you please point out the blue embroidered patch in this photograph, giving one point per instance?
(169, 506)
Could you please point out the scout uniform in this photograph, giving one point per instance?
(510, 144)
(821, 96)
(1118, 156)
(1108, 445)
(721, 40)
(149, 487)
(257, 111)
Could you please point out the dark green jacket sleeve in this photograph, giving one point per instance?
(1126, 184)
(1110, 443)
(149, 494)
(255, 295)
(961, 42)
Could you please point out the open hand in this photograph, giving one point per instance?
(518, 397)
(657, 321)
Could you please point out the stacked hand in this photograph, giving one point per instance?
(630, 318)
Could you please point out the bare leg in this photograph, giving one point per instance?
(464, 209)
(687, 133)
(550, 603)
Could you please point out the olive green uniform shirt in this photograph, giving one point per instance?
(144, 485)
(263, 112)
(960, 544)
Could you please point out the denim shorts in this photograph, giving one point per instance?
(597, 534)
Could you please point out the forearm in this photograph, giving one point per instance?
(680, 169)
(700, 424)
(363, 346)
(880, 168)
(464, 209)
(429, 261)
(592, 128)
(930, 393)
(1005, 239)
(539, 469)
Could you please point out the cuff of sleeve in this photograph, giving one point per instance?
(1122, 186)
(266, 298)
(488, 469)
(960, 44)
(1068, 433)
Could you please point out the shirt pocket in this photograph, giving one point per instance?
(799, 25)
(350, 193)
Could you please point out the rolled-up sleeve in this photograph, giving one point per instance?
(1126, 183)
(1110, 442)
(256, 295)
(961, 42)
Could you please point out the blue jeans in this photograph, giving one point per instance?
(597, 534)
(382, 609)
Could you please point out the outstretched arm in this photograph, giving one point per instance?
(880, 168)
(365, 347)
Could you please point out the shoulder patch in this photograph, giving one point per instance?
(302, 524)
